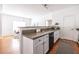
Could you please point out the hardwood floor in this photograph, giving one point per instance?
(12, 46)
(9, 46)
(73, 44)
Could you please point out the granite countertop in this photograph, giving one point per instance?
(77, 29)
(38, 34)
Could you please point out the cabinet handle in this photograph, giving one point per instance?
(39, 40)
(43, 42)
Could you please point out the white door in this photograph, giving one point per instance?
(68, 27)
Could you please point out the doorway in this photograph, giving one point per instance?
(69, 27)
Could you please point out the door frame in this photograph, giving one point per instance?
(64, 24)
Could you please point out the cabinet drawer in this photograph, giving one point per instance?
(38, 40)
(46, 37)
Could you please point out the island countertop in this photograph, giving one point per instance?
(38, 34)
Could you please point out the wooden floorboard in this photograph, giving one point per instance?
(9, 46)
(12, 46)
(73, 44)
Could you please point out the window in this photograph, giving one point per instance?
(17, 24)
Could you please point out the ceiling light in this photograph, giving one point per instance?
(45, 6)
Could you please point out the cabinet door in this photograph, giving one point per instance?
(38, 49)
(56, 36)
(46, 44)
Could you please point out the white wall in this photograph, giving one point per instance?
(0, 8)
(7, 23)
(0, 25)
(58, 16)
(38, 21)
(0, 17)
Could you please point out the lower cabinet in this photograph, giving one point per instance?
(42, 46)
(46, 45)
(38, 45)
(56, 36)
(38, 49)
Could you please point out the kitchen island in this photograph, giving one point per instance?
(35, 40)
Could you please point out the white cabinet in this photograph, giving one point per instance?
(45, 47)
(41, 45)
(27, 45)
(75, 35)
(46, 44)
(38, 49)
(56, 36)
(38, 45)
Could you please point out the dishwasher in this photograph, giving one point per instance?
(78, 36)
(51, 40)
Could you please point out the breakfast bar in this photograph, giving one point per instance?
(36, 40)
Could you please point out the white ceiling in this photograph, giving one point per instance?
(51, 7)
(35, 8)
(56, 7)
